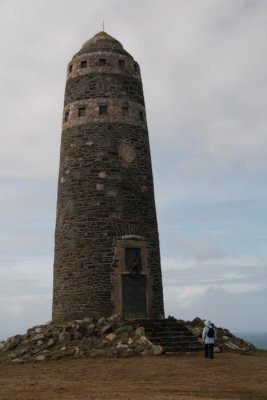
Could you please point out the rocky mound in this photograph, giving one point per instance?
(226, 341)
(108, 337)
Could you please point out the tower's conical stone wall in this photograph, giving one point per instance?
(107, 256)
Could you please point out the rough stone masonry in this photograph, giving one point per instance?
(107, 257)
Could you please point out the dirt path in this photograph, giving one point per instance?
(228, 376)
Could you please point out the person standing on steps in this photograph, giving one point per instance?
(209, 339)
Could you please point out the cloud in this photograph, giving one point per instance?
(211, 103)
(226, 289)
(190, 294)
(27, 214)
(241, 287)
(25, 293)
(22, 312)
(237, 311)
(203, 248)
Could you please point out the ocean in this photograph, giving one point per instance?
(259, 339)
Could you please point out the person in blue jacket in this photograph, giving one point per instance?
(209, 339)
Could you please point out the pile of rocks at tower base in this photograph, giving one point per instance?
(226, 341)
(106, 337)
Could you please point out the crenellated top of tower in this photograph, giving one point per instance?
(102, 41)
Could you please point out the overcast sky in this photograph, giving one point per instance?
(203, 65)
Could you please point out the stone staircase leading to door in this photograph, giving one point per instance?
(172, 335)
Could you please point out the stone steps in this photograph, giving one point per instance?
(172, 335)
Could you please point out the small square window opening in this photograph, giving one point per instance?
(70, 69)
(103, 110)
(81, 111)
(66, 117)
(102, 61)
(141, 115)
(125, 111)
(83, 63)
(121, 63)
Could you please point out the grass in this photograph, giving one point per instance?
(186, 377)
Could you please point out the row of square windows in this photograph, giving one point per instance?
(103, 110)
(102, 62)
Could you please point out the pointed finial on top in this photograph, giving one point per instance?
(103, 26)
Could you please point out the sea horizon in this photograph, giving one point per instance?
(258, 339)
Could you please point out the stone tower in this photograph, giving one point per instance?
(107, 257)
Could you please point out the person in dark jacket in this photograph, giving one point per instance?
(209, 339)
